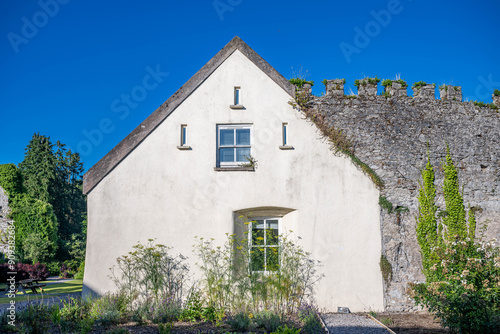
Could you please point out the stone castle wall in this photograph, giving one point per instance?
(391, 135)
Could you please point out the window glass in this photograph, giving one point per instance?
(226, 154)
(242, 136)
(241, 153)
(264, 244)
(227, 137)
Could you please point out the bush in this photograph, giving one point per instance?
(74, 314)
(151, 272)
(24, 271)
(35, 318)
(285, 330)
(466, 299)
(239, 322)
(108, 309)
(308, 314)
(268, 320)
(81, 270)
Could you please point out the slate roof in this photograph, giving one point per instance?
(102, 168)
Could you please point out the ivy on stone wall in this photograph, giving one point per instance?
(431, 234)
(428, 231)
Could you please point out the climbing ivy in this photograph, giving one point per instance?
(428, 231)
(455, 220)
(433, 228)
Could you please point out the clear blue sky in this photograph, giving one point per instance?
(65, 65)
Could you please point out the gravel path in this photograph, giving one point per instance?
(351, 324)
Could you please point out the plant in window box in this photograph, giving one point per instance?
(252, 162)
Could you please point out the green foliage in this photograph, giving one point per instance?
(81, 270)
(385, 204)
(53, 174)
(11, 179)
(285, 330)
(324, 82)
(388, 82)
(193, 310)
(299, 82)
(35, 318)
(366, 81)
(74, 313)
(428, 235)
(308, 315)
(251, 162)
(37, 249)
(386, 269)
(420, 84)
(268, 320)
(239, 322)
(33, 216)
(455, 220)
(165, 328)
(466, 298)
(496, 92)
(386, 94)
(109, 309)
(228, 284)
(150, 271)
(462, 274)
(482, 104)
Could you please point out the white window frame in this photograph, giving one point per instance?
(233, 126)
(250, 246)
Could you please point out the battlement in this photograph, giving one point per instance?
(395, 89)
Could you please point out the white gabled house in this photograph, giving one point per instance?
(178, 175)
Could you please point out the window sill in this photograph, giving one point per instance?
(234, 169)
(286, 147)
(236, 106)
(184, 147)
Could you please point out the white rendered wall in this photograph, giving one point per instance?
(159, 191)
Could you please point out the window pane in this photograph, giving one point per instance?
(226, 154)
(272, 232)
(226, 137)
(272, 258)
(258, 232)
(236, 96)
(241, 153)
(242, 136)
(257, 259)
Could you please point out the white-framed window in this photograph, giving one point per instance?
(183, 135)
(234, 144)
(263, 239)
(284, 129)
(237, 96)
(183, 138)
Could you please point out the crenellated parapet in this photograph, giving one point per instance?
(424, 91)
(335, 87)
(450, 93)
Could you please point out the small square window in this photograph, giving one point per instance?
(234, 144)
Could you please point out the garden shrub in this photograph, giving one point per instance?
(268, 320)
(308, 315)
(109, 309)
(24, 271)
(151, 272)
(285, 330)
(229, 285)
(239, 322)
(462, 271)
(35, 318)
(74, 314)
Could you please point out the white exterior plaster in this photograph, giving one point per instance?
(159, 191)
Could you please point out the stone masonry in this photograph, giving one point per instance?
(391, 136)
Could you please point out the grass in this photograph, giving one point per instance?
(53, 289)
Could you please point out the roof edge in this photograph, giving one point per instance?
(104, 166)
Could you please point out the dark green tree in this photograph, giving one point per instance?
(53, 174)
(11, 179)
